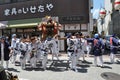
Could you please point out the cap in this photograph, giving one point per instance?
(13, 35)
(96, 36)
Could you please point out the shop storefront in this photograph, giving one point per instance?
(24, 27)
(24, 17)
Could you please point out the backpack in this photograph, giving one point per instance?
(111, 42)
(97, 43)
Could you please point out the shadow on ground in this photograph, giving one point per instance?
(12, 69)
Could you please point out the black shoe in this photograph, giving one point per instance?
(84, 61)
(75, 70)
(102, 66)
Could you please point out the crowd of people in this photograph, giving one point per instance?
(35, 50)
(78, 45)
(29, 50)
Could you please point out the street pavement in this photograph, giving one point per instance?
(60, 71)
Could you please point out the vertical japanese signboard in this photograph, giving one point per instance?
(79, 9)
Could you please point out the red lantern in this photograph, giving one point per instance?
(117, 4)
(102, 13)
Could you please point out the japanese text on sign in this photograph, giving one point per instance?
(32, 9)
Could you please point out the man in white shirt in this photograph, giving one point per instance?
(14, 47)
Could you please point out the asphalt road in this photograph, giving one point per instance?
(60, 71)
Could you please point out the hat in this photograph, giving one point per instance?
(96, 36)
(13, 35)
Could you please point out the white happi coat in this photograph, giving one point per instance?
(84, 43)
(28, 50)
(23, 48)
(15, 49)
(44, 54)
(39, 51)
(15, 46)
(54, 47)
(23, 51)
(44, 48)
(72, 52)
(57, 45)
(34, 50)
(88, 48)
(13, 42)
(33, 55)
(71, 43)
(81, 47)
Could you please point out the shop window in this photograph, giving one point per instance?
(29, 30)
(6, 32)
(20, 30)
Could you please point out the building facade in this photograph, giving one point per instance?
(26, 23)
(112, 19)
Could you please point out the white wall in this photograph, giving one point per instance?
(90, 28)
(61, 42)
(108, 8)
(99, 26)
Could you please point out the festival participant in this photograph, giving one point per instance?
(53, 45)
(44, 53)
(56, 38)
(97, 49)
(72, 52)
(4, 52)
(81, 46)
(28, 49)
(14, 47)
(23, 51)
(113, 47)
(88, 47)
(33, 54)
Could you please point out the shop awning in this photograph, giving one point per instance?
(3, 24)
(25, 23)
